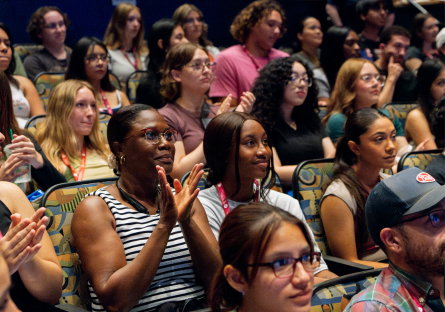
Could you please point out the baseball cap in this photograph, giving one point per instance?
(406, 192)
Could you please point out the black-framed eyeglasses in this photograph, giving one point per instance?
(197, 67)
(154, 137)
(285, 267)
(296, 81)
(437, 218)
(54, 25)
(94, 58)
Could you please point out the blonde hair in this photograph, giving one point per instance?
(114, 35)
(343, 95)
(56, 133)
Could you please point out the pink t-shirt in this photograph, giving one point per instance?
(189, 124)
(236, 71)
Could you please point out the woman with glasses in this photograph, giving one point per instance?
(124, 39)
(268, 262)
(286, 103)
(145, 249)
(367, 146)
(191, 20)
(241, 172)
(70, 135)
(186, 78)
(89, 62)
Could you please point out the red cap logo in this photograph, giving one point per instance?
(424, 177)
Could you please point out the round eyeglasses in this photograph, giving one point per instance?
(285, 267)
(154, 137)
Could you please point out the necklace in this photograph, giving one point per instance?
(257, 66)
(139, 207)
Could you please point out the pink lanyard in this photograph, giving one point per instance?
(135, 64)
(430, 56)
(223, 197)
(77, 176)
(107, 105)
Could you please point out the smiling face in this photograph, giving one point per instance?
(193, 26)
(350, 46)
(96, 68)
(266, 32)
(5, 50)
(268, 293)
(377, 146)
(367, 92)
(438, 87)
(84, 114)
(54, 29)
(295, 92)
(311, 34)
(429, 30)
(133, 25)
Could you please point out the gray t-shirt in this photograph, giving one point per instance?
(43, 61)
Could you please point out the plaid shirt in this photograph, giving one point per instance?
(394, 290)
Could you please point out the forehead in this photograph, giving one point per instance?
(83, 93)
(298, 68)
(251, 127)
(3, 34)
(52, 16)
(430, 21)
(368, 68)
(96, 49)
(134, 12)
(273, 16)
(352, 35)
(149, 119)
(193, 13)
(382, 124)
(399, 39)
(200, 54)
(288, 239)
(311, 21)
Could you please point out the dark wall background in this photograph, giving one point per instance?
(90, 17)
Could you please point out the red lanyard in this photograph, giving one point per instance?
(107, 105)
(135, 64)
(429, 55)
(77, 176)
(419, 307)
(253, 60)
(223, 197)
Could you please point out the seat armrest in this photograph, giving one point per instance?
(70, 308)
(342, 267)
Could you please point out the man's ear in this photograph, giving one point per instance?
(235, 278)
(362, 17)
(382, 46)
(392, 238)
(299, 36)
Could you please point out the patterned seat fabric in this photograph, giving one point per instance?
(400, 110)
(115, 81)
(309, 182)
(417, 159)
(25, 49)
(133, 83)
(45, 84)
(34, 123)
(335, 294)
(60, 202)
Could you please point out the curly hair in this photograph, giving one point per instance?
(269, 92)
(253, 14)
(37, 22)
(180, 16)
(343, 94)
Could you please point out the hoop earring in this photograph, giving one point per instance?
(122, 159)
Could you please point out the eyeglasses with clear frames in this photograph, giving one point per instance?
(296, 81)
(54, 25)
(368, 78)
(285, 267)
(437, 218)
(96, 57)
(197, 67)
(153, 137)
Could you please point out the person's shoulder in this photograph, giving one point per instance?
(229, 53)
(23, 81)
(275, 53)
(8, 189)
(336, 118)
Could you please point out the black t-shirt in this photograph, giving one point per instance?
(406, 87)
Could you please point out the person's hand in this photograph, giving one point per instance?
(25, 150)
(8, 170)
(224, 106)
(185, 197)
(168, 210)
(22, 241)
(421, 146)
(394, 69)
(246, 104)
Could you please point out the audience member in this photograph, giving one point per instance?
(186, 78)
(374, 14)
(287, 106)
(438, 122)
(6, 303)
(400, 84)
(47, 26)
(268, 262)
(344, 13)
(367, 147)
(436, 168)
(89, 62)
(124, 39)
(35, 272)
(239, 156)
(310, 37)
(191, 20)
(70, 134)
(257, 27)
(405, 216)
(24, 147)
(164, 35)
(339, 44)
(440, 44)
(419, 123)
(137, 270)
(423, 39)
(26, 100)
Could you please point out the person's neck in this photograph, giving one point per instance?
(245, 193)
(255, 49)
(143, 189)
(286, 113)
(80, 140)
(95, 84)
(191, 102)
(310, 51)
(371, 32)
(427, 46)
(195, 41)
(381, 63)
(358, 106)
(127, 45)
(367, 175)
(56, 49)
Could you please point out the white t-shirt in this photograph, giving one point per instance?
(123, 67)
(22, 110)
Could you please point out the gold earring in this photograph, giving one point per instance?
(122, 159)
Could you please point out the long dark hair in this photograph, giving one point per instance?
(9, 72)
(244, 237)
(7, 117)
(76, 68)
(357, 124)
(163, 30)
(416, 27)
(269, 92)
(220, 137)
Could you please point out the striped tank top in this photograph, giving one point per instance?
(175, 279)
